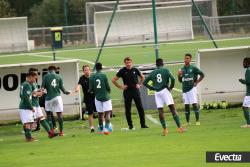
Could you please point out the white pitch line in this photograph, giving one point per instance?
(64, 58)
(153, 120)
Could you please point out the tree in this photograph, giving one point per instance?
(5, 9)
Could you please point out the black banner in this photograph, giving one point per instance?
(227, 157)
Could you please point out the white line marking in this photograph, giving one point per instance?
(150, 117)
(63, 58)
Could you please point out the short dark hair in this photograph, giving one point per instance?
(189, 55)
(98, 66)
(159, 62)
(33, 69)
(52, 68)
(127, 59)
(247, 61)
(31, 74)
(84, 66)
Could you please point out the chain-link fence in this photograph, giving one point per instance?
(83, 36)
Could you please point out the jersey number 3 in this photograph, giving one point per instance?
(98, 84)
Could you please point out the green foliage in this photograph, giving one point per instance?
(51, 13)
(5, 9)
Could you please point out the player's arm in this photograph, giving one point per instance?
(77, 88)
(246, 81)
(201, 76)
(26, 93)
(91, 86)
(145, 83)
(62, 87)
(172, 80)
(141, 76)
(114, 81)
(180, 73)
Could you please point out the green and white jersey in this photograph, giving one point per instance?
(26, 96)
(160, 79)
(53, 83)
(189, 76)
(247, 81)
(98, 83)
(35, 100)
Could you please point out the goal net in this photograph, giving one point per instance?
(136, 25)
(13, 34)
(223, 69)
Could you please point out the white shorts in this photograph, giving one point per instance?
(27, 116)
(103, 106)
(190, 97)
(54, 105)
(163, 97)
(38, 112)
(246, 102)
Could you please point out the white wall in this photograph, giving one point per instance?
(223, 69)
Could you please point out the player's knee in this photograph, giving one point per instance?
(196, 107)
(187, 108)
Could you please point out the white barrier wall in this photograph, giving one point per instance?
(223, 69)
(11, 77)
(14, 34)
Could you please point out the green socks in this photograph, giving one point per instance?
(163, 123)
(177, 121)
(45, 125)
(197, 114)
(49, 119)
(187, 114)
(60, 121)
(246, 115)
(27, 133)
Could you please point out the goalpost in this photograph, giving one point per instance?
(223, 69)
(13, 34)
(136, 25)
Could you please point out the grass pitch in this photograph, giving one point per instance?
(219, 131)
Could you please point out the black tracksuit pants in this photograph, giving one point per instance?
(129, 95)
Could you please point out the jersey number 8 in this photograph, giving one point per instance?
(159, 78)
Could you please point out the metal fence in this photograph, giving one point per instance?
(84, 36)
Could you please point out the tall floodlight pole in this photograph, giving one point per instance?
(65, 3)
(156, 46)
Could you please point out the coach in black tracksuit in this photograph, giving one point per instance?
(130, 88)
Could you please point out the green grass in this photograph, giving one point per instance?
(113, 56)
(143, 147)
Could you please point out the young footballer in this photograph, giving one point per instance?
(160, 84)
(26, 110)
(53, 83)
(188, 76)
(98, 83)
(246, 102)
(36, 93)
(89, 97)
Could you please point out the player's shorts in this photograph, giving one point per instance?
(190, 97)
(163, 97)
(38, 112)
(27, 116)
(246, 102)
(54, 105)
(90, 107)
(103, 106)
